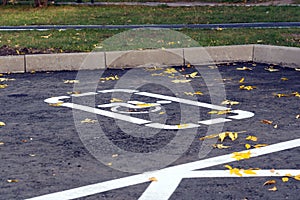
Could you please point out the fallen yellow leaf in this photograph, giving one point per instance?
(153, 179)
(182, 125)
(284, 79)
(170, 71)
(109, 164)
(192, 75)
(115, 100)
(270, 182)
(271, 69)
(228, 166)
(71, 81)
(241, 155)
(12, 180)
(3, 86)
(285, 179)
(6, 79)
(1, 143)
(228, 102)
(87, 120)
(220, 112)
(273, 189)
(249, 171)
(220, 135)
(2, 124)
(115, 155)
(249, 87)
(244, 68)
(288, 175)
(232, 135)
(296, 94)
(146, 105)
(264, 121)
(221, 146)
(161, 113)
(56, 104)
(252, 138)
(281, 95)
(248, 146)
(235, 171)
(297, 177)
(242, 80)
(259, 145)
(110, 78)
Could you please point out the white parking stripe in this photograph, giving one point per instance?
(186, 170)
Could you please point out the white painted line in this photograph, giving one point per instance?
(172, 127)
(226, 173)
(214, 121)
(95, 188)
(183, 170)
(156, 190)
(56, 99)
(241, 114)
(118, 90)
(185, 101)
(107, 113)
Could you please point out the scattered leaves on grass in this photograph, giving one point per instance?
(270, 182)
(273, 189)
(71, 81)
(244, 68)
(284, 79)
(88, 121)
(116, 100)
(12, 180)
(221, 146)
(241, 155)
(285, 179)
(153, 179)
(252, 138)
(229, 102)
(2, 124)
(219, 112)
(242, 80)
(3, 86)
(271, 69)
(248, 87)
(181, 81)
(110, 78)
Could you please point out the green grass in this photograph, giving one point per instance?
(87, 40)
(26, 15)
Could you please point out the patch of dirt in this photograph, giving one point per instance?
(9, 51)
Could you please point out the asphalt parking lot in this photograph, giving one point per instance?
(51, 148)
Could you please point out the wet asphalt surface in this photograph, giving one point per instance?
(42, 151)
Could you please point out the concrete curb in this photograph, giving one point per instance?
(284, 56)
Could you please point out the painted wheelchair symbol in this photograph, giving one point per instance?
(117, 110)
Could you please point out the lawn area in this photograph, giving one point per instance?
(117, 15)
(87, 40)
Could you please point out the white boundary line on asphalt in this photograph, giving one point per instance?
(169, 178)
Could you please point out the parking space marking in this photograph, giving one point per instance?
(117, 113)
(177, 172)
